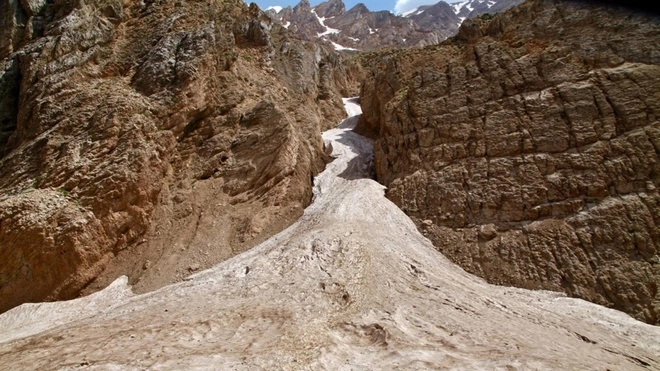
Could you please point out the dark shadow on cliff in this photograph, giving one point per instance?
(362, 166)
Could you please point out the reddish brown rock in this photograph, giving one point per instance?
(144, 138)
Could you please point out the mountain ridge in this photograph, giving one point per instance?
(359, 28)
(179, 162)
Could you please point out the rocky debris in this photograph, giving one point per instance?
(361, 29)
(143, 138)
(351, 285)
(531, 142)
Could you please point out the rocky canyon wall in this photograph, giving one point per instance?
(150, 138)
(526, 148)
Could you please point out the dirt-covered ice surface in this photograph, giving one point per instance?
(352, 285)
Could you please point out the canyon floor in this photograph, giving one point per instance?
(351, 285)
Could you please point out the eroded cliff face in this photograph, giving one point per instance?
(527, 149)
(150, 138)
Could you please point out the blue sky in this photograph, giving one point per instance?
(396, 6)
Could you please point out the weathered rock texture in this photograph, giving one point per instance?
(527, 149)
(352, 285)
(150, 138)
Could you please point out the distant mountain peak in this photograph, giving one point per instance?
(331, 8)
(302, 5)
(361, 29)
(360, 8)
(408, 13)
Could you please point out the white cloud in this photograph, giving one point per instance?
(406, 5)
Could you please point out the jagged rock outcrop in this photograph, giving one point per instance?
(302, 21)
(335, 8)
(441, 17)
(527, 149)
(361, 29)
(150, 139)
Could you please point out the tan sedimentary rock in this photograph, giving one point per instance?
(531, 142)
(143, 138)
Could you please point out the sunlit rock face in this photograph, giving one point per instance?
(150, 139)
(527, 149)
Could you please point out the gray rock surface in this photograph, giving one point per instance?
(531, 142)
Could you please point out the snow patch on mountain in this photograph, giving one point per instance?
(341, 47)
(328, 30)
(409, 12)
(459, 5)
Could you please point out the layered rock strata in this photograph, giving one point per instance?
(527, 149)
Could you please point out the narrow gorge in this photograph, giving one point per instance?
(180, 187)
(352, 284)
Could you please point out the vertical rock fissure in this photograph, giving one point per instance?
(10, 82)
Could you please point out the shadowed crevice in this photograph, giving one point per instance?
(10, 83)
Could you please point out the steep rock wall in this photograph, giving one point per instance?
(150, 138)
(527, 149)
